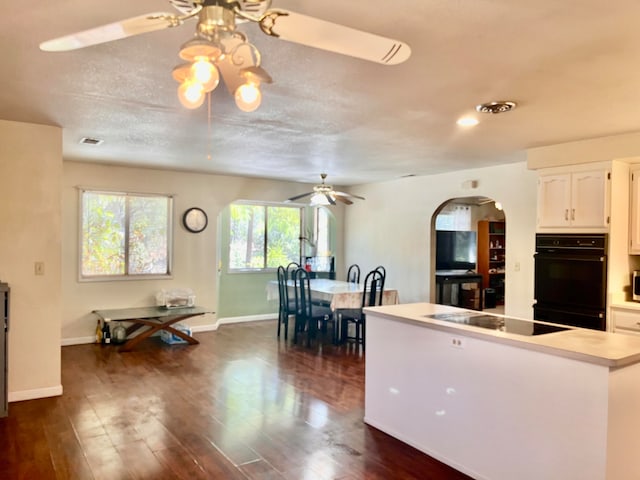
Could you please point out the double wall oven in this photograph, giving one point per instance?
(571, 279)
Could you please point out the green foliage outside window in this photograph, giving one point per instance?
(263, 236)
(125, 234)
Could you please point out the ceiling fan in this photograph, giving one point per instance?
(324, 194)
(217, 42)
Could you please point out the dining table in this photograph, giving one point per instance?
(337, 294)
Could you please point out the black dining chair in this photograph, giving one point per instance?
(287, 305)
(353, 274)
(292, 267)
(383, 271)
(309, 314)
(372, 293)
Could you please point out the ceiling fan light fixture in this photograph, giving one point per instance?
(191, 94)
(199, 47)
(205, 73)
(319, 199)
(248, 97)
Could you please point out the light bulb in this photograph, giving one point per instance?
(191, 94)
(205, 73)
(248, 97)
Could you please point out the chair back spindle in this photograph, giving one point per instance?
(353, 274)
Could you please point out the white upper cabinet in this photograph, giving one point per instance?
(578, 199)
(554, 200)
(634, 221)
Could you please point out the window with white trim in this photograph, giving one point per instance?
(263, 236)
(124, 235)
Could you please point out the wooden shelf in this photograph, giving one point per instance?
(488, 234)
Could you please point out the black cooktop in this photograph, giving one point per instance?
(492, 322)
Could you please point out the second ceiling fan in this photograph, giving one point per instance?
(324, 194)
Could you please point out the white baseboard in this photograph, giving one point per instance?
(248, 318)
(36, 393)
(205, 328)
(65, 342)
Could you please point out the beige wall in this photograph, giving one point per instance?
(620, 147)
(30, 211)
(393, 228)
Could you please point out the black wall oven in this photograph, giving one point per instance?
(571, 279)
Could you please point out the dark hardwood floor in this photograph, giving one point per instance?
(241, 405)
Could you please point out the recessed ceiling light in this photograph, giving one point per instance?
(467, 122)
(90, 141)
(496, 107)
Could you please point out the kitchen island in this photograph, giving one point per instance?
(504, 399)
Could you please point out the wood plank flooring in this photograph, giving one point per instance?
(240, 405)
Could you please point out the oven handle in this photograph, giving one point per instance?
(580, 258)
(567, 312)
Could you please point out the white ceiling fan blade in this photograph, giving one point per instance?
(348, 195)
(113, 31)
(316, 33)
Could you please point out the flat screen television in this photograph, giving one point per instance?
(455, 250)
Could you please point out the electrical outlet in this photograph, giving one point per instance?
(516, 267)
(39, 268)
(457, 342)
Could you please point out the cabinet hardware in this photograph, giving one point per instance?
(566, 214)
(573, 214)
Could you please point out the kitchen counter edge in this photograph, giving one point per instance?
(592, 346)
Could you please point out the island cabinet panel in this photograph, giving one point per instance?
(496, 411)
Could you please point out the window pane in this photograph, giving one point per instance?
(322, 232)
(103, 233)
(283, 232)
(125, 234)
(454, 217)
(148, 234)
(246, 246)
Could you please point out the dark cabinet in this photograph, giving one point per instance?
(4, 328)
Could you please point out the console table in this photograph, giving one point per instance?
(155, 318)
(449, 289)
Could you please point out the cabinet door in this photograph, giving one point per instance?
(634, 220)
(588, 199)
(554, 199)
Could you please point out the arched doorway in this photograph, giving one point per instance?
(468, 253)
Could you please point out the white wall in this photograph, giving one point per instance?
(31, 173)
(393, 228)
(195, 255)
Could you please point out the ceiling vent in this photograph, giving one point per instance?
(90, 141)
(496, 107)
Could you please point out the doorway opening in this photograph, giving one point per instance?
(468, 254)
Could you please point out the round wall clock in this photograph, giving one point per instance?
(195, 220)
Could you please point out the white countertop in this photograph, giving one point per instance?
(608, 349)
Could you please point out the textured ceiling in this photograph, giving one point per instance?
(571, 65)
